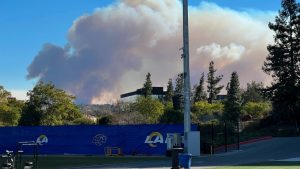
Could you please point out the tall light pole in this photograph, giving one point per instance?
(186, 75)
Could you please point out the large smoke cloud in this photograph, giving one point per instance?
(111, 50)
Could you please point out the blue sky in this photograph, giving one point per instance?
(27, 25)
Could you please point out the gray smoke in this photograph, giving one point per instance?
(110, 51)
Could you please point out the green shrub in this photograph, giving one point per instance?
(255, 110)
(171, 116)
(206, 112)
(83, 121)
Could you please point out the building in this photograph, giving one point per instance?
(157, 93)
(221, 97)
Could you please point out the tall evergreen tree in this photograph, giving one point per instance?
(253, 93)
(199, 92)
(232, 107)
(170, 91)
(179, 84)
(212, 83)
(147, 89)
(283, 63)
(178, 93)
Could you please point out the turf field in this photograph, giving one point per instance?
(266, 165)
(58, 162)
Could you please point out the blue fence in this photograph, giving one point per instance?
(132, 139)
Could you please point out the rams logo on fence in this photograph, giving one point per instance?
(154, 138)
(99, 139)
(42, 139)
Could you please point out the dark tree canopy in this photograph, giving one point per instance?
(147, 86)
(283, 63)
(179, 84)
(170, 91)
(232, 107)
(48, 105)
(178, 93)
(171, 116)
(253, 93)
(212, 83)
(199, 92)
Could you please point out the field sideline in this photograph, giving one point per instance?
(67, 161)
(260, 155)
(63, 162)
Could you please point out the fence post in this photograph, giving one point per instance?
(225, 135)
(238, 136)
(212, 138)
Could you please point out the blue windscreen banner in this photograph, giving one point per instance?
(85, 139)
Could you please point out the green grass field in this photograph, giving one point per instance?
(266, 165)
(58, 162)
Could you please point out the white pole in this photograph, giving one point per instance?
(186, 74)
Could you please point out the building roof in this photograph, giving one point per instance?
(155, 91)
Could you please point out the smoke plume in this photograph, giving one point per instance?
(110, 51)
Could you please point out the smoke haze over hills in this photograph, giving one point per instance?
(110, 51)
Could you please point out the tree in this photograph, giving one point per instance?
(232, 106)
(207, 112)
(10, 108)
(83, 121)
(170, 91)
(9, 115)
(255, 110)
(178, 93)
(199, 92)
(4, 95)
(171, 116)
(147, 89)
(179, 84)
(150, 108)
(212, 83)
(48, 105)
(253, 93)
(283, 62)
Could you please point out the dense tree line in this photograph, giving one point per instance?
(240, 104)
(283, 63)
(47, 105)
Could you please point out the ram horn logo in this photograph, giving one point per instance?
(154, 138)
(42, 139)
(99, 139)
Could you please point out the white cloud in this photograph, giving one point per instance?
(215, 51)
